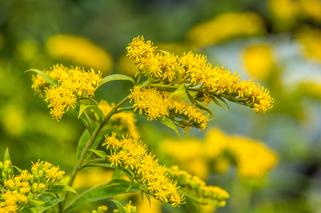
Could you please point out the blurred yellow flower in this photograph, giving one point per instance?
(310, 88)
(258, 60)
(188, 154)
(286, 13)
(91, 177)
(13, 119)
(310, 39)
(253, 158)
(226, 26)
(152, 206)
(79, 50)
(126, 66)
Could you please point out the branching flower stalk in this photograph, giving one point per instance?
(89, 143)
(174, 89)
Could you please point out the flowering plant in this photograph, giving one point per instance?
(175, 90)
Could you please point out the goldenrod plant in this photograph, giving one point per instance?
(173, 89)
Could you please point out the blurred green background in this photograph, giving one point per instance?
(276, 42)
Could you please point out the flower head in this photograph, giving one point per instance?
(132, 155)
(72, 83)
(201, 80)
(78, 50)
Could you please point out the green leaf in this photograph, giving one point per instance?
(170, 124)
(6, 155)
(44, 75)
(99, 153)
(116, 77)
(83, 108)
(82, 142)
(203, 108)
(217, 102)
(49, 205)
(102, 165)
(61, 188)
(98, 193)
(181, 93)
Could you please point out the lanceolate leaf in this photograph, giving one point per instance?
(82, 142)
(116, 77)
(170, 124)
(98, 193)
(6, 155)
(44, 75)
(99, 153)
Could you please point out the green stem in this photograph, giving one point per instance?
(89, 143)
(163, 86)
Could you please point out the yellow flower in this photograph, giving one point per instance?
(151, 102)
(202, 80)
(132, 155)
(78, 50)
(197, 189)
(19, 189)
(258, 60)
(289, 12)
(253, 158)
(310, 88)
(310, 40)
(190, 156)
(152, 205)
(156, 105)
(126, 66)
(284, 12)
(125, 120)
(100, 209)
(72, 83)
(226, 26)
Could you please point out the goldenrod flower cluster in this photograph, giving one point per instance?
(72, 83)
(132, 155)
(156, 105)
(197, 189)
(78, 50)
(18, 191)
(128, 208)
(310, 39)
(258, 60)
(202, 80)
(253, 158)
(100, 209)
(226, 26)
(125, 121)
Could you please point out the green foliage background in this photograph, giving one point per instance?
(292, 128)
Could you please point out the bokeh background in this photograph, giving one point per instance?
(275, 42)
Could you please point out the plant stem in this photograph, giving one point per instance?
(163, 86)
(89, 143)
